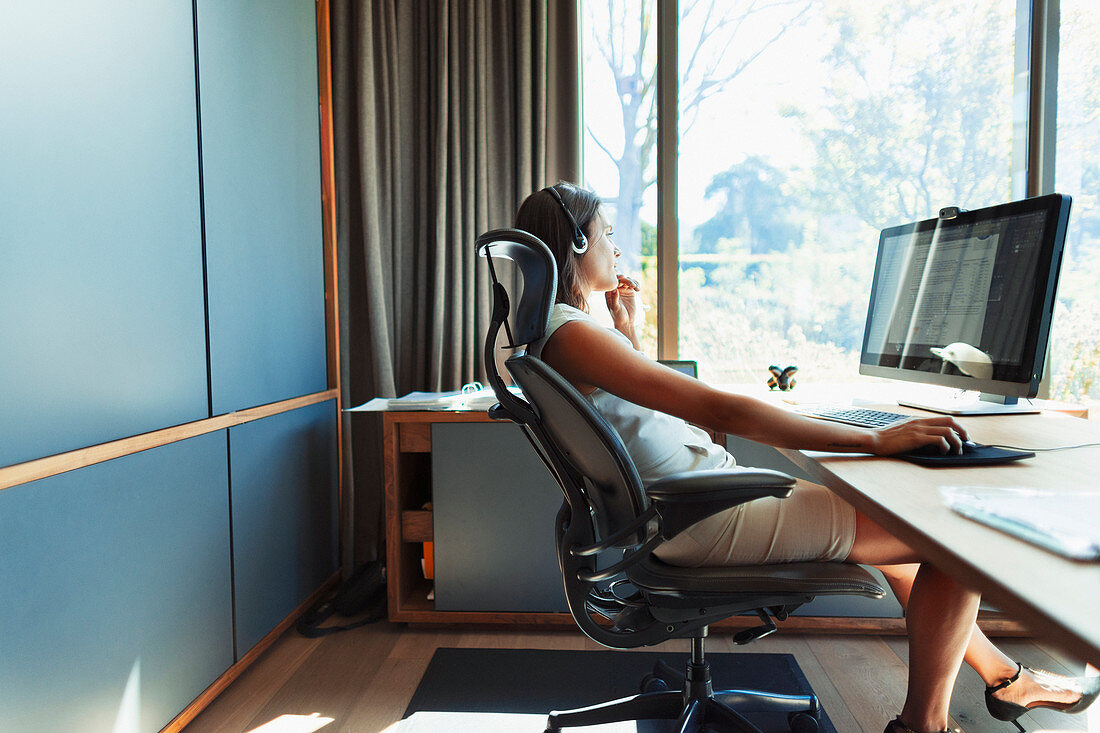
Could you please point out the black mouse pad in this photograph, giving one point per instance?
(982, 455)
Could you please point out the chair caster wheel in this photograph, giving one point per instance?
(653, 683)
(802, 723)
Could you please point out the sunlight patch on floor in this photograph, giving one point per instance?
(288, 723)
(433, 722)
(1093, 712)
(1092, 715)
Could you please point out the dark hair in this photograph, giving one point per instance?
(541, 215)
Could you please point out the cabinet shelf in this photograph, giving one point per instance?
(416, 525)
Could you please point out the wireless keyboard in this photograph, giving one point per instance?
(860, 416)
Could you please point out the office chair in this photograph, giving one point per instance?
(608, 526)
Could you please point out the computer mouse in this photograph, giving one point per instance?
(932, 449)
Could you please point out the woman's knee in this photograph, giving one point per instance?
(873, 545)
(899, 572)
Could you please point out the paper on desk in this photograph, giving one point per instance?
(486, 398)
(412, 401)
(1065, 522)
(479, 400)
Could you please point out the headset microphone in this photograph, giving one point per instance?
(580, 242)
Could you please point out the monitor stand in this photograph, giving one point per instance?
(986, 404)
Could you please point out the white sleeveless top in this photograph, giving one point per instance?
(814, 524)
(658, 443)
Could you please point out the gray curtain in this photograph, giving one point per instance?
(447, 113)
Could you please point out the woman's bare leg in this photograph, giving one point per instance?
(939, 620)
(991, 664)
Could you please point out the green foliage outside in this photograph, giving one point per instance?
(740, 312)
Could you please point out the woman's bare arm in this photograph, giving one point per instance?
(589, 356)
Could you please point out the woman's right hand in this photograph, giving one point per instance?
(623, 303)
(944, 432)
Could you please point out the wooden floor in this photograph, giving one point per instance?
(362, 680)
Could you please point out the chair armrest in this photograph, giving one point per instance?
(683, 499)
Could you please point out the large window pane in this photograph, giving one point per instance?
(1075, 360)
(805, 128)
(619, 43)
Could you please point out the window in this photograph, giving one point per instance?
(1075, 358)
(806, 127)
(619, 41)
(835, 120)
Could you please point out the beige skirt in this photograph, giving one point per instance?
(812, 524)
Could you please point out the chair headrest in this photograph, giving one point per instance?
(540, 278)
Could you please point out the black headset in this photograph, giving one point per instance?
(580, 242)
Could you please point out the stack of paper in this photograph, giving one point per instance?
(426, 401)
(1066, 522)
(481, 399)
(485, 398)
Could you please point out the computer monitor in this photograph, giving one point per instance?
(688, 367)
(965, 301)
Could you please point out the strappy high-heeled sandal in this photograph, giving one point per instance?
(897, 726)
(1010, 711)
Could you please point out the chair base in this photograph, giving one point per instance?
(695, 707)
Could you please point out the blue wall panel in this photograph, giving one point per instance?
(261, 183)
(115, 600)
(285, 503)
(101, 292)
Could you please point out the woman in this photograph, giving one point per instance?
(651, 407)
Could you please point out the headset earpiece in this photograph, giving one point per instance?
(580, 242)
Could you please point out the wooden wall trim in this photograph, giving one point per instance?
(328, 193)
(332, 261)
(41, 468)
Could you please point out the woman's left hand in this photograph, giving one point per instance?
(623, 303)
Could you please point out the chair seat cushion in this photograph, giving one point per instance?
(796, 578)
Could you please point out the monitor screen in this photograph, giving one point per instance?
(966, 301)
(687, 367)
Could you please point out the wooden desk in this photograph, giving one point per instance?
(1056, 598)
(870, 390)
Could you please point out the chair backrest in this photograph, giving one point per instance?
(595, 461)
(581, 448)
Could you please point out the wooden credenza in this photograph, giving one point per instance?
(409, 481)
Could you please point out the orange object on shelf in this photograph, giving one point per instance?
(426, 564)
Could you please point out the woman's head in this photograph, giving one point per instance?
(549, 220)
